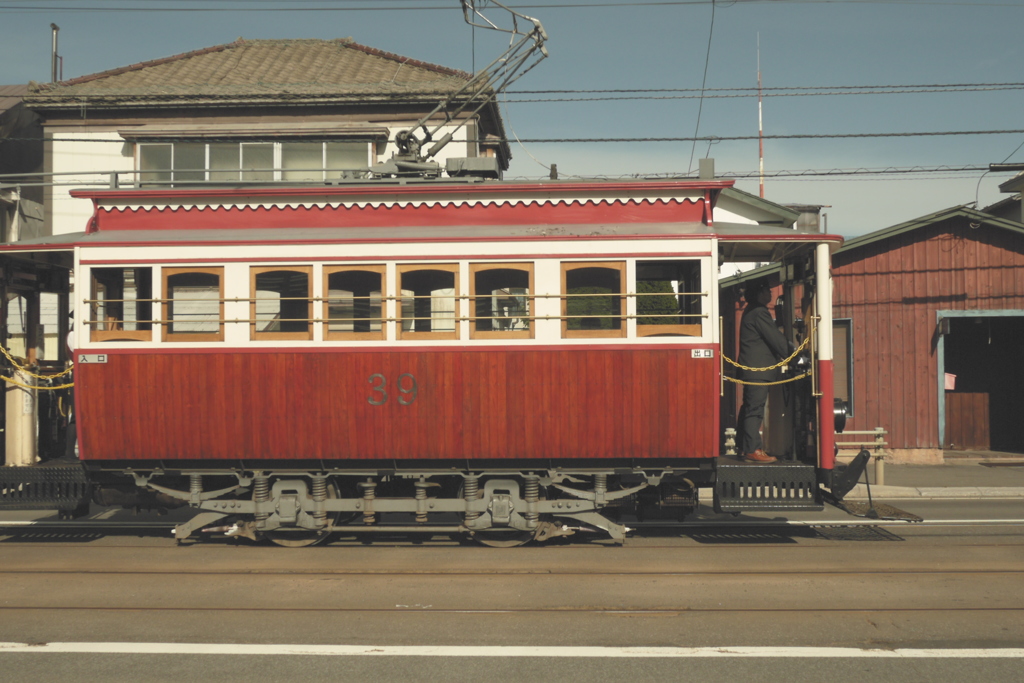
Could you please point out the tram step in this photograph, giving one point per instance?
(781, 486)
(43, 487)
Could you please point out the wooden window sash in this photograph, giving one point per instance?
(567, 267)
(166, 321)
(370, 334)
(409, 268)
(475, 268)
(675, 330)
(304, 336)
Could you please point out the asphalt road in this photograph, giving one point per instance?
(753, 599)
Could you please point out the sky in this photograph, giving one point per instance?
(823, 49)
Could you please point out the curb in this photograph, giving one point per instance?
(860, 492)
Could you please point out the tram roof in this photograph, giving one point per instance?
(740, 242)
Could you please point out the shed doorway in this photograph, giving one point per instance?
(985, 353)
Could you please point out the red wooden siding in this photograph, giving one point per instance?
(891, 289)
(470, 403)
(967, 416)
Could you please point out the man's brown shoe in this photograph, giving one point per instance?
(759, 457)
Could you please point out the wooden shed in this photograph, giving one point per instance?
(930, 314)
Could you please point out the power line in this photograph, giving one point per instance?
(706, 138)
(703, 84)
(766, 89)
(415, 7)
(627, 98)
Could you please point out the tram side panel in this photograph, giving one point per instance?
(417, 404)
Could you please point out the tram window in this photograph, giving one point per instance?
(353, 308)
(282, 302)
(668, 301)
(427, 301)
(501, 300)
(193, 304)
(593, 305)
(120, 307)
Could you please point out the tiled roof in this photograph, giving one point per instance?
(258, 71)
(10, 95)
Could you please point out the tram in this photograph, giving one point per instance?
(506, 361)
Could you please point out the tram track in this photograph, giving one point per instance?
(510, 573)
(528, 610)
(711, 524)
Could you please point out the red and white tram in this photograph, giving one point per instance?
(507, 360)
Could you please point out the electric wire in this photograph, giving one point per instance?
(704, 138)
(700, 108)
(409, 5)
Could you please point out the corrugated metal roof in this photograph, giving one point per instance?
(964, 211)
(257, 70)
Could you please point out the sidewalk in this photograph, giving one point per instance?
(954, 480)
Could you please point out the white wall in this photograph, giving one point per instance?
(87, 160)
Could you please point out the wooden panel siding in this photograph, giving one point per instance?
(572, 403)
(892, 290)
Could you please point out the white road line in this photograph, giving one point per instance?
(505, 651)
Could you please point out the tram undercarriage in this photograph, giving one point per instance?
(501, 507)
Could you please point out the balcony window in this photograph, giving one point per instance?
(169, 163)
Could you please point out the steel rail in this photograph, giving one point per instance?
(407, 528)
(249, 573)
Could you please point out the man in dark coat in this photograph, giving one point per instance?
(761, 345)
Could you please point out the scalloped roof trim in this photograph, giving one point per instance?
(414, 204)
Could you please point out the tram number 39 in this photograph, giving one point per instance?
(407, 389)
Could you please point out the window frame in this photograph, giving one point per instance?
(255, 335)
(475, 268)
(403, 268)
(370, 335)
(620, 266)
(674, 329)
(277, 171)
(97, 335)
(165, 305)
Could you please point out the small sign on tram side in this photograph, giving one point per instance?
(703, 353)
(90, 358)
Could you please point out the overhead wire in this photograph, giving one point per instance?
(704, 138)
(704, 81)
(410, 5)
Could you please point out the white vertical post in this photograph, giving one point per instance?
(823, 270)
(20, 431)
(824, 369)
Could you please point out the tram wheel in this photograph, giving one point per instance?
(502, 538)
(292, 537)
